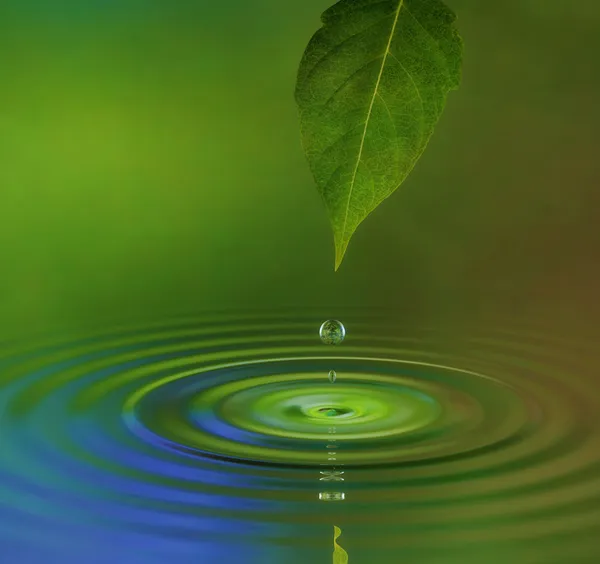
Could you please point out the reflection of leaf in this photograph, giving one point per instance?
(340, 556)
(371, 87)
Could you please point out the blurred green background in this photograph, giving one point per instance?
(150, 161)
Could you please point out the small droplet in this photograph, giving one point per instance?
(332, 376)
(332, 332)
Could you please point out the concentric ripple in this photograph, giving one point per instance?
(185, 431)
(279, 411)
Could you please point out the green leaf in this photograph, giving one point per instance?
(371, 87)
(340, 556)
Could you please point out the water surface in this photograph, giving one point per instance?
(207, 437)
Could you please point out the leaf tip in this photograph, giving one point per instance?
(340, 251)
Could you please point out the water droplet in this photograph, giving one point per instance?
(332, 376)
(332, 332)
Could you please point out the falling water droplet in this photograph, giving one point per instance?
(332, 332)
(332, 376)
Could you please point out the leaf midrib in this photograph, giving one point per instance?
(364, 134)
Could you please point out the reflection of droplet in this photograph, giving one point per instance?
(332, 496)
(332, 332)
(332, 376)
(331, 476)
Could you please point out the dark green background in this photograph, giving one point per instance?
(150, 160)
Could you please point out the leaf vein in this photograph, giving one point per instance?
(412, 80)
(422, 26)
(363, 67)
(340, 138)
(335, 48)
(362, 143)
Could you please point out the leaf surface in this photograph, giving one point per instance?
(371, 87)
